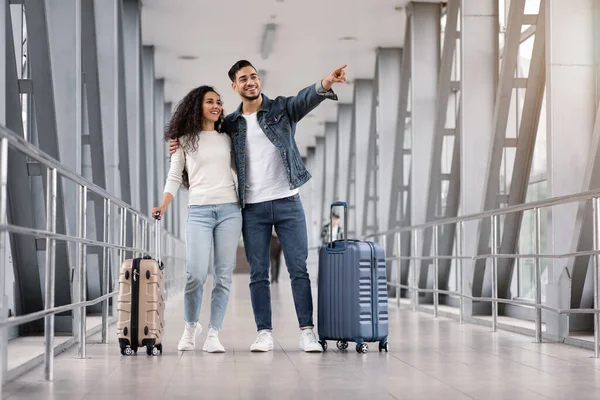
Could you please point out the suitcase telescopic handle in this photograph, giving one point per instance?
(338, 204)
(156, 217)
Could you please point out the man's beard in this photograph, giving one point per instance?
(251, 97)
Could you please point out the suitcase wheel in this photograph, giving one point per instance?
(128, 351)
(342, 345)
(362, 348)
(151, 350)
(383, 346)
(323, 344)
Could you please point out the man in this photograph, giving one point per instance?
(270, 171)
(337, 230)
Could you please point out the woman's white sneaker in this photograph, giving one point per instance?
(188, 340)
(263, 343)
(212, 343)
(309, 343)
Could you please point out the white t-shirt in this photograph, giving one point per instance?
(210, 169)
(266, 177)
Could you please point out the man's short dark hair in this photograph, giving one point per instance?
(237, 66)
(335, 215)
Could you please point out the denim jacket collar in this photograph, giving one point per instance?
(265, 106)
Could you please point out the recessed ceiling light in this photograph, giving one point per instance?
(399, 8)
(347, 38)
(187, 57)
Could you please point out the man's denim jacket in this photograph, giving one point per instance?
(277, 118)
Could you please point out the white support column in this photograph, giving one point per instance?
(161, 154)
(149, 119)
(308, 200)
(4, 268)
(389, 63)
(107, 36)
(4, 22)
(344, 127)
(425, 60)
(363, 104)
(330, 163)
(479, 59)
(319, 178)
(132, 42)
(571, 100)
(306, 194)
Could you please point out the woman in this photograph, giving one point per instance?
(204, 164)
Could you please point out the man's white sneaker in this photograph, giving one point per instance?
(212, 343)
(188, 340)
(309, 343)
(263, 343)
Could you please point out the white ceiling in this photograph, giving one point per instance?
(307, 45)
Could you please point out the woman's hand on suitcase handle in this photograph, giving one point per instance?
(158, 212)
(162, 209)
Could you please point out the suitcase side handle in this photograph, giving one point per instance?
(338, 204)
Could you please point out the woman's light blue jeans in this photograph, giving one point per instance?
(220, 225)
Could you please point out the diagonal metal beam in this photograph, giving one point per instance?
(28, 296)
(399, 211)
(500, 121)
(521, 170)
(45, 119)
(434, 193)
(448, 232)
(95, 150)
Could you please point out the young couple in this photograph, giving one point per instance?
(254, 151)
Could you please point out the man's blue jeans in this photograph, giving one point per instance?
(287, 216)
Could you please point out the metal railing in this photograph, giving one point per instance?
(114, 249)
(494, 216)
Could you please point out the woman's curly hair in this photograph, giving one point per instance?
(187, 121)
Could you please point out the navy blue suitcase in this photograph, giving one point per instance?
(352, 295)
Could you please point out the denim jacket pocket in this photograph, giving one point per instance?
(276, 118)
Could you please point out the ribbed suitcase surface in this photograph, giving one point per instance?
(352, 297)
(141, 306)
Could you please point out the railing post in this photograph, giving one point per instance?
(398, 266)
(459, 253)
(82, 269)
(436, 266)
(414, 275)
(3, 258)
(538, 274)
(596, 223)
(51, 189)
(106, 269)
(494, 272)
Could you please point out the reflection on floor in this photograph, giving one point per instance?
(429, 359)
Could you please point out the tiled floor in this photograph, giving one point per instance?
(429, 359)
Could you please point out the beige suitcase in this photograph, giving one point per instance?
(141, 305)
